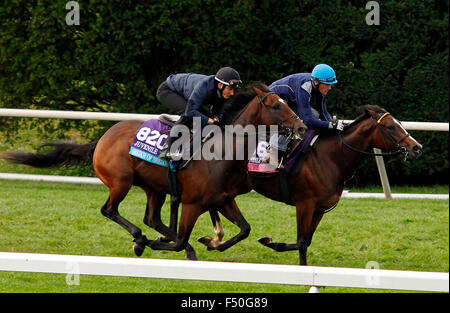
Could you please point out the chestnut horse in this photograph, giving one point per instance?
(203, 184)
(316, 184)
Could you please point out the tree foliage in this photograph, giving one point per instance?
(122, 50)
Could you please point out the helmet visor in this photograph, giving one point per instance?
(233, 83)
(330, 80)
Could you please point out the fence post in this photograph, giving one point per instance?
(383, 174)
(314, 289)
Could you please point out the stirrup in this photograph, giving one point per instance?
(164, 154)
(280, 165)
(167, 155)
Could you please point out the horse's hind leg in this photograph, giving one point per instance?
(152, 216)
(175, 202)
(189, 216)
(218, 232)
(231, 211)
(111, 210)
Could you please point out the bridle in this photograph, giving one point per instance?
(385, 134)
(288, 130)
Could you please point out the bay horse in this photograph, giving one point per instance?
(316, 184)
(202, 184)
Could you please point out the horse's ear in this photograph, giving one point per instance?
(368, 111)
(258, 91)
(373, 110)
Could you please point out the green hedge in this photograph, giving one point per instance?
(122, 50)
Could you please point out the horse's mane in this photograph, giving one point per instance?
(239, 101)
(366, 114)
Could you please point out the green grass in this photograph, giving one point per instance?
(55, 218)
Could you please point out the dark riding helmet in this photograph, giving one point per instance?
(229, 77)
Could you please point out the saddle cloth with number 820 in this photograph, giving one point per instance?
(149, 141)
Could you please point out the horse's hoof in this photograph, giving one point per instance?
(265, 240)
(221, 248)
(139, 245)
(191, 255)
(138, 249)
(155, 244)
(205, 240)
(164, 239)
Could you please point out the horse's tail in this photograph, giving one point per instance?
(63, 153)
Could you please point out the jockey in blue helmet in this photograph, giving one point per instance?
(306, 95)
(324, 74)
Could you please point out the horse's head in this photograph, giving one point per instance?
(391, 135)
(275, 111)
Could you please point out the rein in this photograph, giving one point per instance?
(294, 116)
(400, 149)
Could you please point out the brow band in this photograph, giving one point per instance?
(382, 116)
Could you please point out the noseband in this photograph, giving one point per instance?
(386, 134)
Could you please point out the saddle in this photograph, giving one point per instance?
(148, 142)
(300, 150)
(167, 119)
(291, 164)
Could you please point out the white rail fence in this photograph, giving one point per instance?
(79, 115)
(426, 126)
(216, 271)
(223, 271)
(96, 181)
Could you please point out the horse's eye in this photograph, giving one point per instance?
(390, 127)
(276, 107)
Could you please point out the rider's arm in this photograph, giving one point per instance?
(195, 102)
(304, 110)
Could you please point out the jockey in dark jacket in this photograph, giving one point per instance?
(191, 94)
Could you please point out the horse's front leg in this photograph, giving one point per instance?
(307, 238)
(305, 214)
(277, 246)
(304, 221)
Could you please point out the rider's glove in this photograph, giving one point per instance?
(336, 124)
(217, 121)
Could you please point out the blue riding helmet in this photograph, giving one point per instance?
(324, 74)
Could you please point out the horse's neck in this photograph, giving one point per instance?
(360, 138)
(248, 116)
(345, 160)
